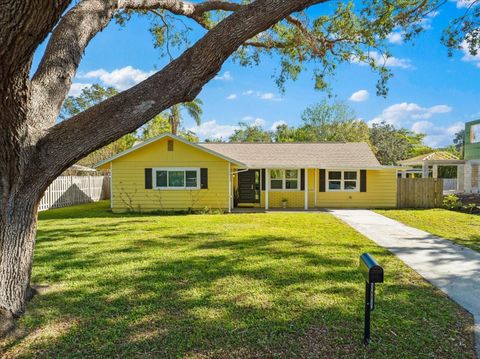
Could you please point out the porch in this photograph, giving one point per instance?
(308, 189)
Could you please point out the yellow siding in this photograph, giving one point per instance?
(128, 179)
(381, 193)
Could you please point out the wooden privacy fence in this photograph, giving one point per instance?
(69, 190)
(419, 192)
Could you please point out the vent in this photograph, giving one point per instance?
(170, 145)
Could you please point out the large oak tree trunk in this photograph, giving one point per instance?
(19, 195)
(17, 240)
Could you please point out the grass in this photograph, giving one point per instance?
(223, 286)
(462, 228)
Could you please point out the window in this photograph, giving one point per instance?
(176, 178)
(342, 180)
(284, 179)
(475, 133)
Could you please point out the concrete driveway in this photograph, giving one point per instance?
(452, 268)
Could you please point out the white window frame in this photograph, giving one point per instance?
(284, 180)
(168, 169)
(342, 181)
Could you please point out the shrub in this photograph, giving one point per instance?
(452, 202)
(470, 208)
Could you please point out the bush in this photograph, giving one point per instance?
(470, 208)
(452, 202)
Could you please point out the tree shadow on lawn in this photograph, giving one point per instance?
(259, 296)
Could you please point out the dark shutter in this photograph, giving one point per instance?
(363, 180)
(148, 178)
(204, 178)
(263, 179)
(321, 181)
(302, 179)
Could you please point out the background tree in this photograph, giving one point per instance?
(193, 108)
(250, 133)
(35, 148)
(391, 145)
(459, 142)
(324, 122)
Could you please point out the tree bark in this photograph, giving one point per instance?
(17, 240)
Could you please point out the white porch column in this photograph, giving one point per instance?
(306, 189)
(403, 173)
(315, 186)
(435, 171)
(229, 188)
(460, 178)
(267, 186)
(425, 169)
(468, 177)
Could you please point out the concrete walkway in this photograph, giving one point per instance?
(452, 268)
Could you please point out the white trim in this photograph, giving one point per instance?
(171, 169)
(267, 186)
(111, 185)
(315, 187)
(306, 189)
(342, 181)
(284, 180)
(154, 139)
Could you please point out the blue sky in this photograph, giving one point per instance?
(429, 93)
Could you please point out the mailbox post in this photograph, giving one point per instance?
(373, 273)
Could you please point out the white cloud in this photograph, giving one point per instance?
(212, 129)
(437, 135)
(395, 37)
(359, 96)
(464, 3)
(402, 114)
(467, 56)
(76, 88)
(383, 60)
(255, 121)
(276, 124)
(121, 79)
(269, 96)
(227, 76)
(232, 96)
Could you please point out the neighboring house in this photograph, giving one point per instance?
(168, 172)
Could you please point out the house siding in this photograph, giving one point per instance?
(128, 180)
(381, 193)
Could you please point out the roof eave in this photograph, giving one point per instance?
(159, 137)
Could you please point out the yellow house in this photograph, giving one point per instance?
(170, 173)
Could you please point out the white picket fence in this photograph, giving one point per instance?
(449, 184)
(70, 190)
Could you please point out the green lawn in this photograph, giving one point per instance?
(223, 286)
(461, 228)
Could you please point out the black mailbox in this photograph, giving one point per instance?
(373, 273)
(370, 269)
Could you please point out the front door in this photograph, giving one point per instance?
(249, 186)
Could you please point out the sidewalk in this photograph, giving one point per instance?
(452, 268)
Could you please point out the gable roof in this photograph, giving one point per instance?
(304, 155)
(172, 136)
(430, 157)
